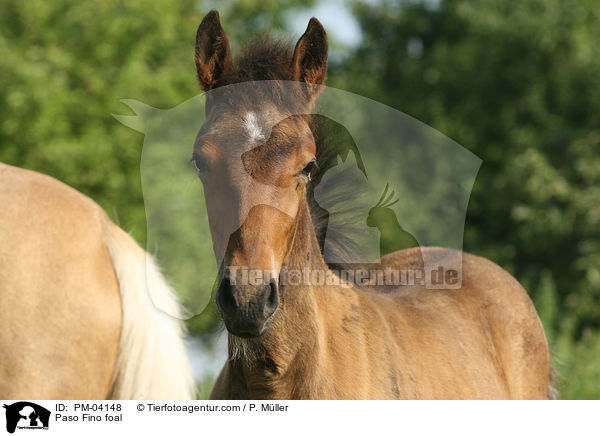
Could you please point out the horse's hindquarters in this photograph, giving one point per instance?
(61, 317)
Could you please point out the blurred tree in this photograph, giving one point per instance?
(519, 85)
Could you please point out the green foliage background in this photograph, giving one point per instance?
(517, 83)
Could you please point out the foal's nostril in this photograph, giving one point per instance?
(272, 298)
(225, 299)
(247, 310)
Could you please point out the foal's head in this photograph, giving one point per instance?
(254, 155)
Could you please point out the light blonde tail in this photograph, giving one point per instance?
(553, 392)
(152, 362)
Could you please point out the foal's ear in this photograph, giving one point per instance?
(212, 51)
(310, 55)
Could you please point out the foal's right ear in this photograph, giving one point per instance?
(309, 63)
(212, 51)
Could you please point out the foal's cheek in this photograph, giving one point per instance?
(285, 199)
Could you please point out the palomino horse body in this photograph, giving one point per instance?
(326, 341)
(77, 321)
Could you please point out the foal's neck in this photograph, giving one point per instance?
(305, 254)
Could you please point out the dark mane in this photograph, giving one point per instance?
(265, 58)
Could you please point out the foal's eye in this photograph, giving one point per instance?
(199, 164)
(308, 169)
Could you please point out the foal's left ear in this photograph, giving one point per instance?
(309, 63)
(212, 51)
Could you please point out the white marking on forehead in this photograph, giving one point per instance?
(252, 128)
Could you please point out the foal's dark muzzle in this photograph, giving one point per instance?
(247, 310)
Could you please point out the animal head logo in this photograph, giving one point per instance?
(362, 145)
(382, 210)
(392, 236)
(27, 415)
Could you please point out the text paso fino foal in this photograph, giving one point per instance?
(483, 340)
(77, 321)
